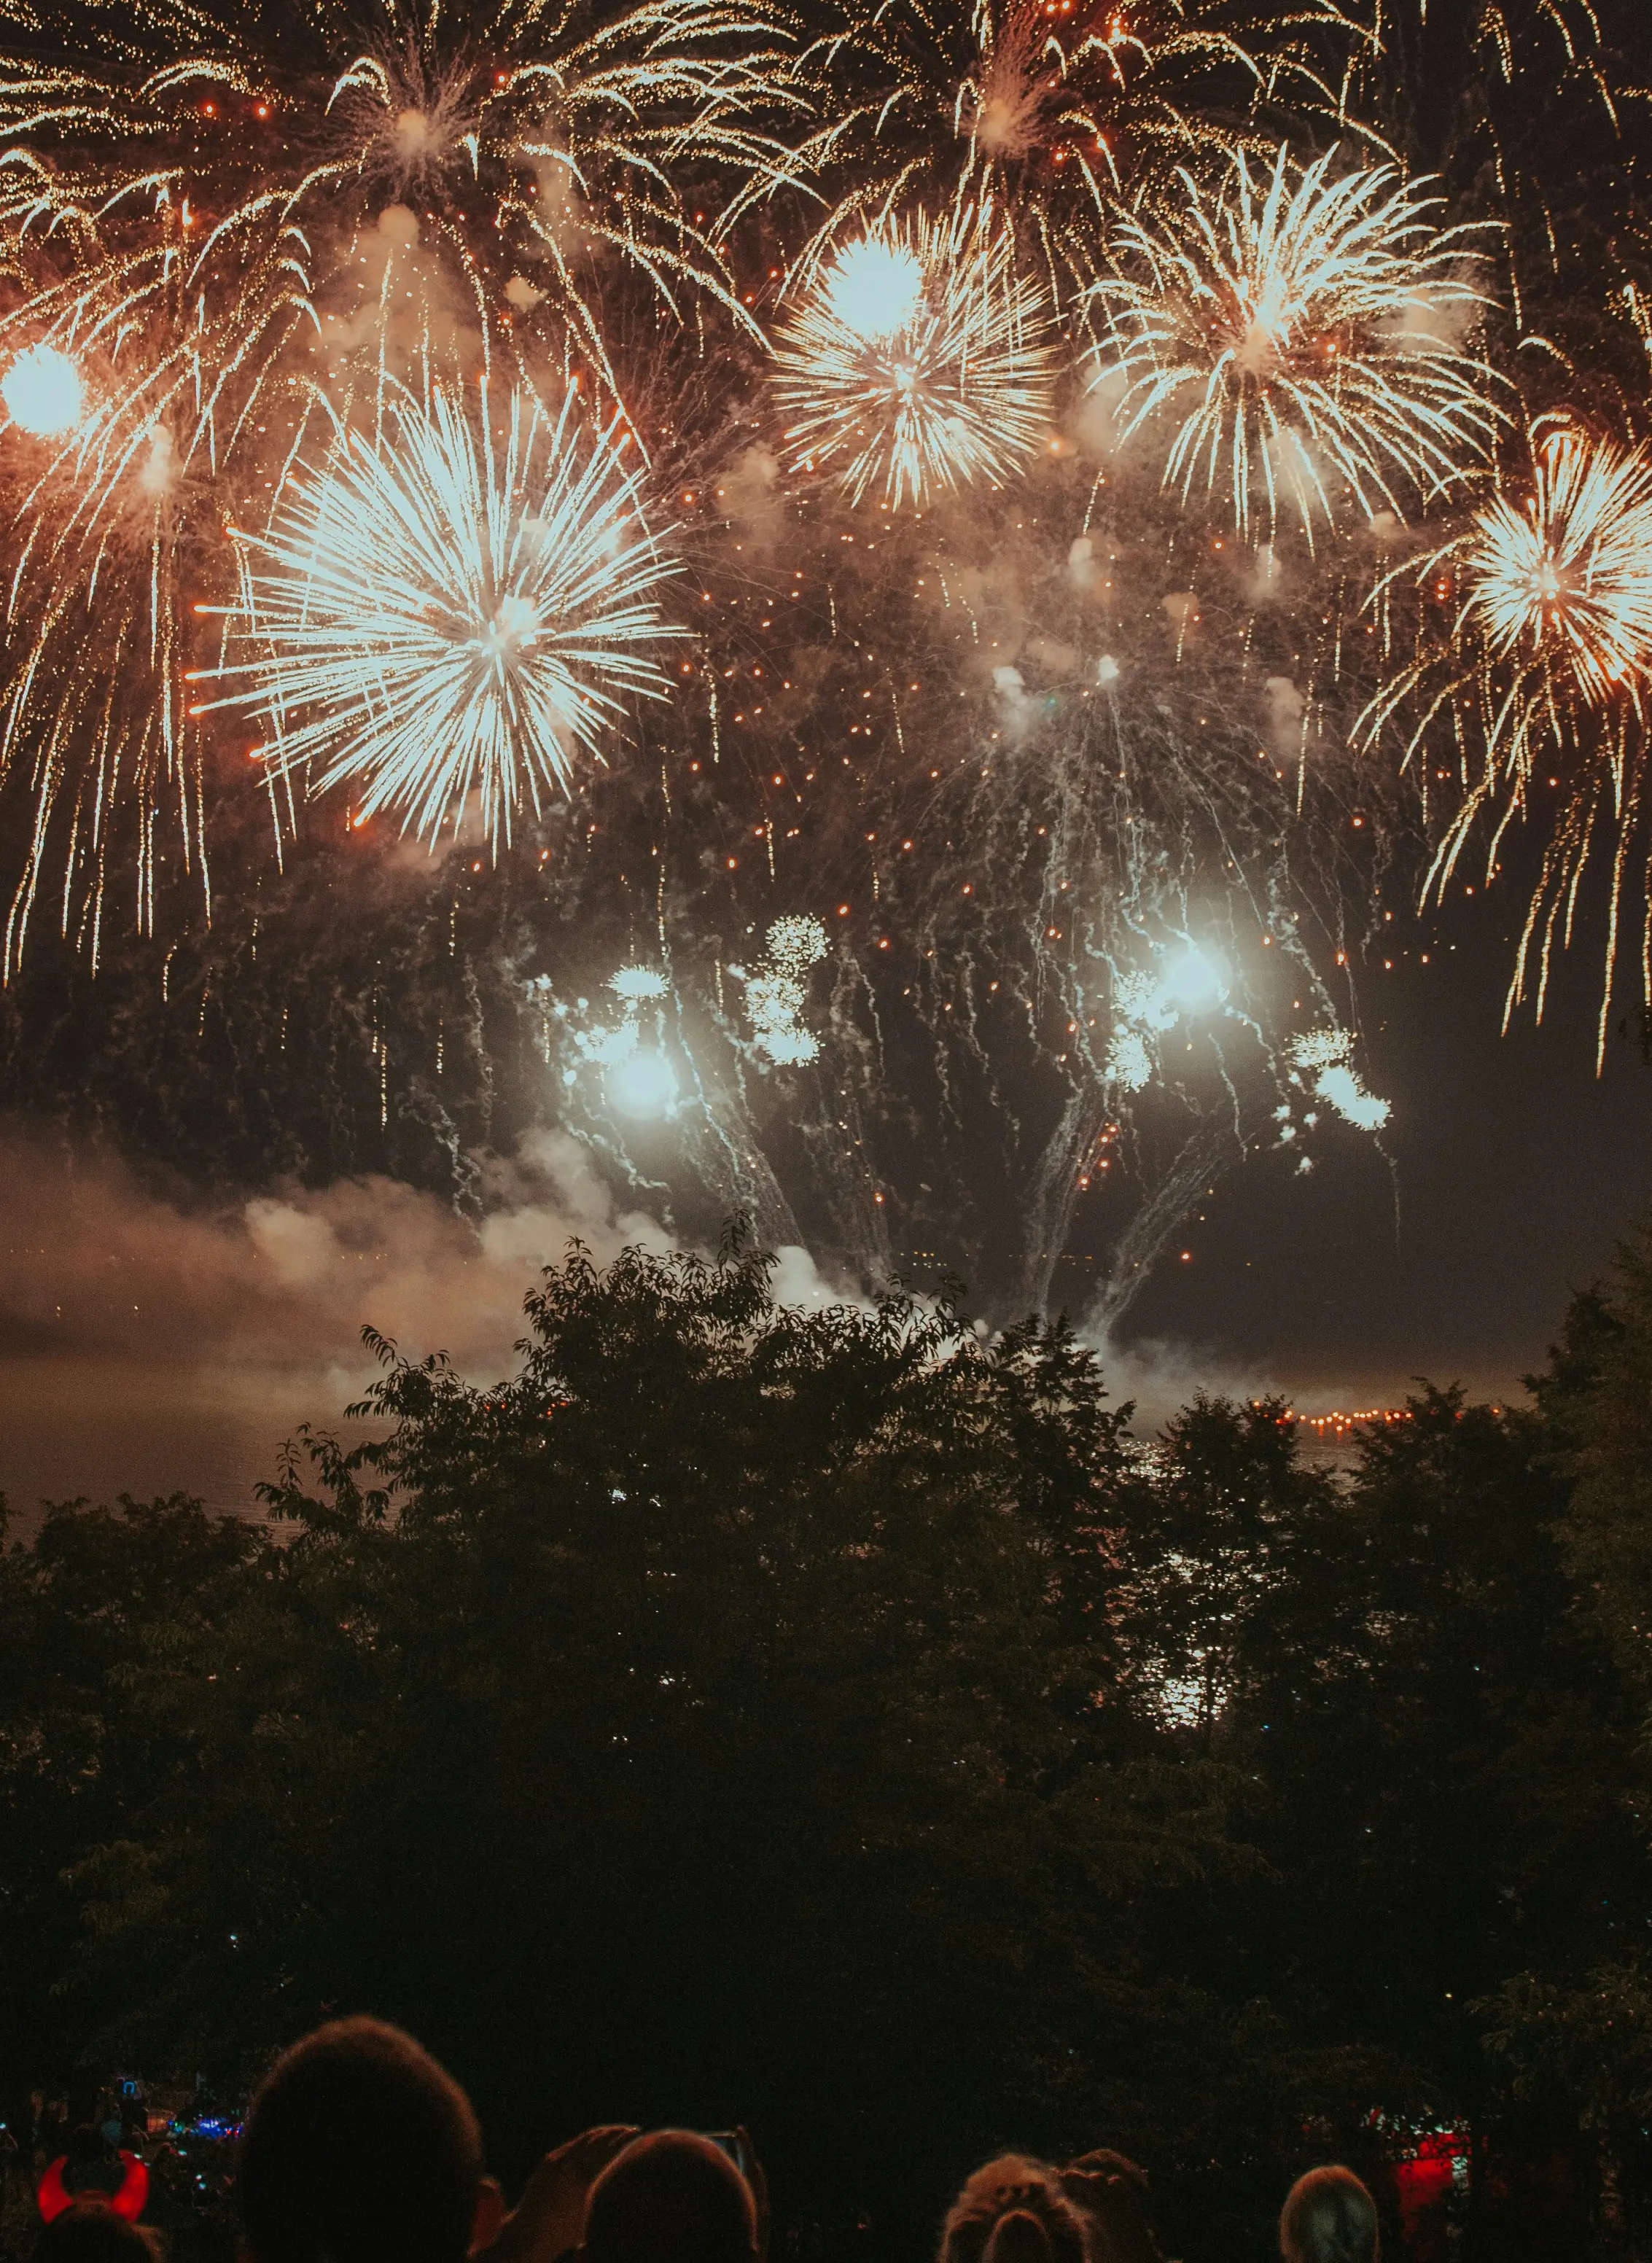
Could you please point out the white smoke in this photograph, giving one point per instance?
(151, 1342)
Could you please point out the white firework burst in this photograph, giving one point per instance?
(777, 991)
(438, 612)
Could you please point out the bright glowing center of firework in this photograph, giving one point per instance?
(876, 289)
(1257, 354)
(1194, 981)
(43, 392)
(1547, 584)
(413, 133)
(515, 625)
(644, 1084)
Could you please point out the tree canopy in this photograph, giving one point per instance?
(838, 1722)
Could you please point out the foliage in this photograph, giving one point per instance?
(835, 1721)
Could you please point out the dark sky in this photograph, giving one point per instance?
(1513, 1171)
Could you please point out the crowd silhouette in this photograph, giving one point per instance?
(358, 2148)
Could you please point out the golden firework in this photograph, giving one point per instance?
(1296, 334)
(1051, 105)
(1535, 658)
(213, 215)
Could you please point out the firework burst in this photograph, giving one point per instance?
(1048, 107)
(920, 361)
(1535, 655)
(212, 216)
(777, 990)
(186, 147)
(1299, 332)
(436, 614)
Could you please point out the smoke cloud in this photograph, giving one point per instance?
(149, 1342)
(100, 1262)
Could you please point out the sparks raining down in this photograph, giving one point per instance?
(437, 613)
(919, 362)
(1297, 336)
(1542, 674)
(521, 165)
(1070, 781)
(1037, 87)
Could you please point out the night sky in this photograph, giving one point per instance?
(1512, 1171)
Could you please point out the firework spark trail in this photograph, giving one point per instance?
(919, 362)
(1540, 83)
(647, 1079)
(1298, 330)
(434, 614)
(1003, 851)
(1545, 661)
(185, 143)
(1173, 912)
